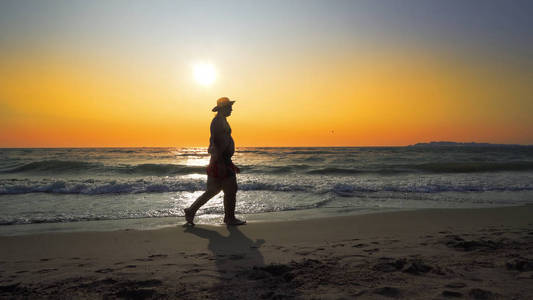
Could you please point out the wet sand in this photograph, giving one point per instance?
(425, 254)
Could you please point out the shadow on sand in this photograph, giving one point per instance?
(242, 269)
(235, 256)
(233, 250)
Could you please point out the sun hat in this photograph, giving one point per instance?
(222, 102)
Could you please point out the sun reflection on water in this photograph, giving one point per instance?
(195, 176)
(197, 162)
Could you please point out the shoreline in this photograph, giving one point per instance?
(430, 253)
(210, 220)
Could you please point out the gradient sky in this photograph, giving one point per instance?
(304, 73)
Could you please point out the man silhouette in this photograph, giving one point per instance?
(221, 172)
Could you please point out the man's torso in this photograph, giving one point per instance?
(221, 137)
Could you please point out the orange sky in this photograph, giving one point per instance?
(287, 95)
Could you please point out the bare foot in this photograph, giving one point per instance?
(234, 222)
(189, 216)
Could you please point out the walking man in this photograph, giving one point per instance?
(221, 172)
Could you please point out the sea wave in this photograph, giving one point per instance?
(81, 218)
(435, 168)
(158, 169)
(102, 187)
(53, 165)
(272, 169)
(66, 166)
(469, 167)
(348, 190)
(311, 152)
(335, 171)
(194, 154)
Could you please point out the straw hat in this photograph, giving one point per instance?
(222, 102)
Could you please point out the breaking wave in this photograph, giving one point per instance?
(60, 166)
(102, 187)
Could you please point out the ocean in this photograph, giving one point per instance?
(80, 189)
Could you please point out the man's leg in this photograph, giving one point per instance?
(214, 187)
(229, 186)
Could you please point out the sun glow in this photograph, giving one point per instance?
(204, 73)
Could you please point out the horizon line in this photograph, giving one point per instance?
(367, 146)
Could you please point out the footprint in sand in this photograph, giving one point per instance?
(140, 290)
(371, 251)
(455, 285)
(144, 259)
(481, 294)
(418, 267)
(237, 256)
(158, 256)
(388, 291)
(191, 271)
(106, 270)
(451, 294)
(43, 271)
(520, 264)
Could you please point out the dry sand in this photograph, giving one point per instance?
(426, 254)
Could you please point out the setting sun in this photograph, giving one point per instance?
(204, 74)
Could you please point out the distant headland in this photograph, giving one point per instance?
(456, 144)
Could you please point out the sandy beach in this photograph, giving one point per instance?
(424, 254)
